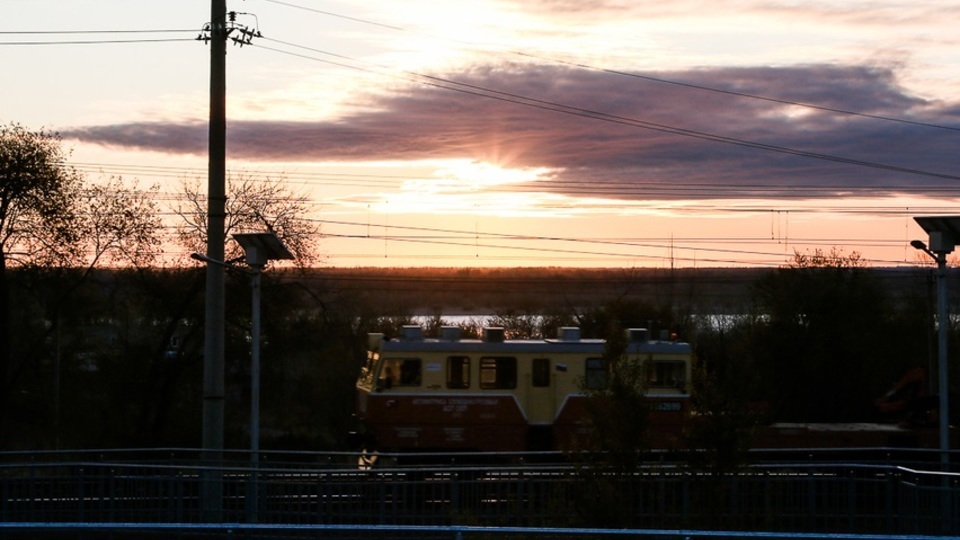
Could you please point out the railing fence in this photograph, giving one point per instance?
(782, 498)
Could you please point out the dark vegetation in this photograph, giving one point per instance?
(91, 357)
(119, 364)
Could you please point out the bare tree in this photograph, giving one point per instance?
(37, 198)
(121, 225)
(254, 205)
(36, 209)
(49, 220)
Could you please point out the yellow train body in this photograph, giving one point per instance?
(496, 394)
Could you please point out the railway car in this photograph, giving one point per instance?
(504, 395)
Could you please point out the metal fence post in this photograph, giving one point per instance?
(891, 487)
(455, 494)
(81, 499)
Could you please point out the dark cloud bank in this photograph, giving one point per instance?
(611, 149)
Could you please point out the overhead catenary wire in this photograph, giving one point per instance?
(71, 32)
(519, 99)
(676, 188)
(94, 42)
(596, 187)
(714, 89)
(102, 41)
(558, 107)
(472, 239)
(465, 238)
(582, 65)
(635, 75)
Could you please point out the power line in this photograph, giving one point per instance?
(470, 239)
(597, 189)
(332, 14)
(641, 76)
(93, 33)
(558, 107)
(95, 42)
(72, 32)
(714, 89)
(519, 99)
(528, 249)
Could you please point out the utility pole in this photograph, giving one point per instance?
(216, 32)
(213, 350)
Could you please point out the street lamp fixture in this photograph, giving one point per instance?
(262, 247)
(259, 249)
(919, 245)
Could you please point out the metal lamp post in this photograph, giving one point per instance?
(944, 232)
(259, 248)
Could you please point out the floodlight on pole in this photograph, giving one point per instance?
(944, 232)
(259, 248)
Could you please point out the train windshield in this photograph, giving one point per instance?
(368, 368)
(400, 372)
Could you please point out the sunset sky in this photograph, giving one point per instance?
(526, 132)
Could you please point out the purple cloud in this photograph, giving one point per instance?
(637, 137)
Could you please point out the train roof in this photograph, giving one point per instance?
(568, 340)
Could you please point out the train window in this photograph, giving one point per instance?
(458, 372)
(498, 372)
(400, 372)
(666, 374)
(596, 375)
(541, 372)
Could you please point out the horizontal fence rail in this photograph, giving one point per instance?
(310, 491)
(451, 532)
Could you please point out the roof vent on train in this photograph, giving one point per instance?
(411, 332)
(493, 334)
(638, 335)
(450, 333)
(568, 333)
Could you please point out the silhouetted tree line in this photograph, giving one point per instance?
(120, 363)
(821, 341)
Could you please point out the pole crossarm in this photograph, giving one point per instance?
(239, 34)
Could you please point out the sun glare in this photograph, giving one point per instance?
(479, 175)
(464, 187)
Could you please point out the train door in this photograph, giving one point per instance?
(540, 403)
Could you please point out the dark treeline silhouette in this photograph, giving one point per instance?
(120, 363)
